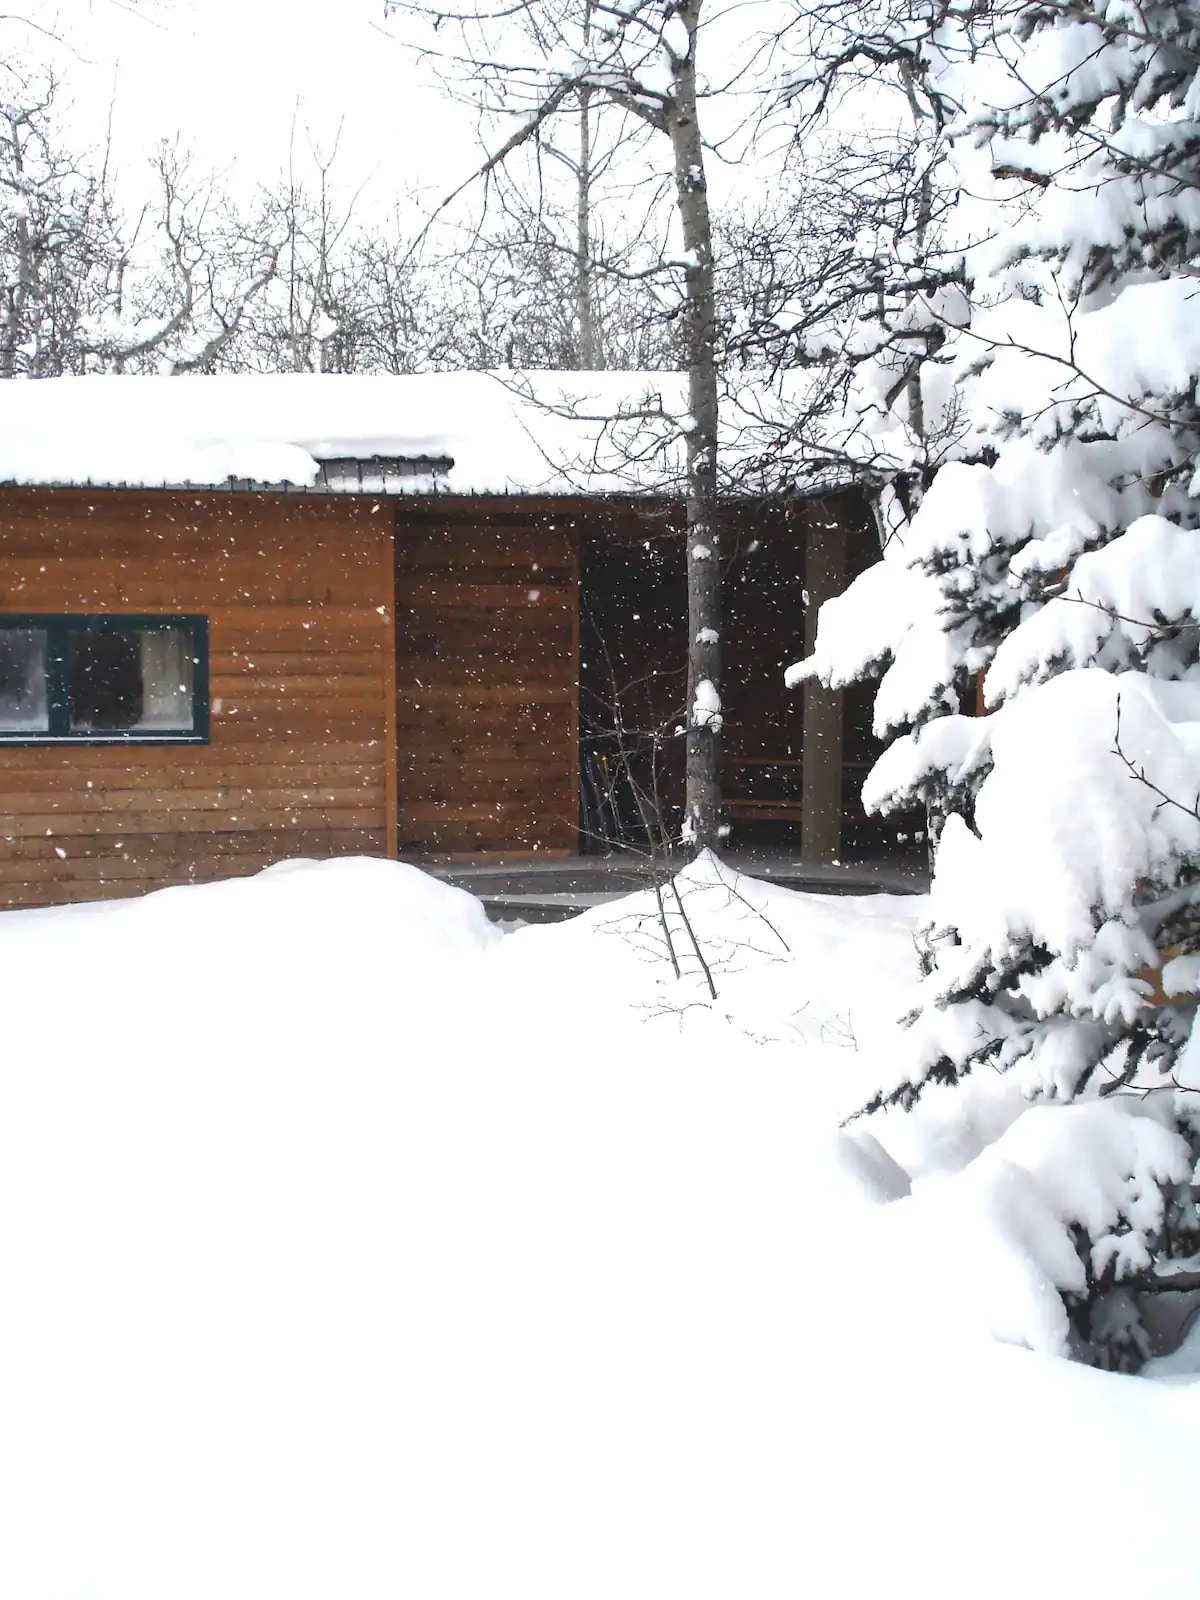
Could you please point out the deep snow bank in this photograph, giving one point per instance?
(802, 971)
(349, 1251)
(291, 948)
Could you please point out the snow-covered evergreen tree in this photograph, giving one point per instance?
(1051, 578)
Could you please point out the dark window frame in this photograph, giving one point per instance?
(58, 624)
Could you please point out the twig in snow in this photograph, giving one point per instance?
(687, 922)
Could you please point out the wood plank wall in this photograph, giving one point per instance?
(298, 597)
(487, 633)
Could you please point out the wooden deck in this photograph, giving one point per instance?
(551, 891)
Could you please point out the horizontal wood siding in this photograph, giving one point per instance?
(298, 599)
(487, 638)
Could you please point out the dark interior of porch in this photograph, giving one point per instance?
(633, 614)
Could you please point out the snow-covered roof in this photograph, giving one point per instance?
(457, 433)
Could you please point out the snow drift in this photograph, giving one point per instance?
(351, 1249)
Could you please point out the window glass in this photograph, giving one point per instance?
(24, 683)
(168, 680)
(104, 680)
(130, 680)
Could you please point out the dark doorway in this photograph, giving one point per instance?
(633, 674)
(632, 690)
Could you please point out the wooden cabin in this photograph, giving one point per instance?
(199, 682)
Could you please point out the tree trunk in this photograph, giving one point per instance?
(821, 767)
(924, 220)
(702, 824)
(585, 310)
(585, 307)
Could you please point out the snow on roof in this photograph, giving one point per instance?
(457, 433)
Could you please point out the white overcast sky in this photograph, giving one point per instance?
(229, 76)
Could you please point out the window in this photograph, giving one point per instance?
(103, 679)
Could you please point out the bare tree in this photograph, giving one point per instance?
(57, 232)
(639, 58)
(309, 323)
(84, 286)
(845, 266)
(185, 278)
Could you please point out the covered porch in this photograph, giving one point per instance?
(541, 680)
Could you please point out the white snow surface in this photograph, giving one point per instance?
(706, 707)
(507, 433)
(350, 1248)
(1034, 868)
(1120, 600)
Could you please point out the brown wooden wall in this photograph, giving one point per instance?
(302, 672)
(487, 636)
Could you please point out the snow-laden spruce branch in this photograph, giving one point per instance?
(1050, 561)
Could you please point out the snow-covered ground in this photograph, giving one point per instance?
(352, 1249)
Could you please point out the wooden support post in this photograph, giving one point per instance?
(575, 552)
(391, 734)
(821, 791)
